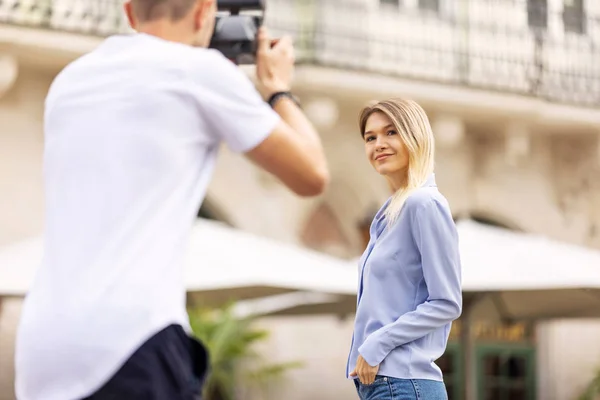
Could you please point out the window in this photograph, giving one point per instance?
(395, 3)
(209, 211)
(506, 373)
(432, 5)
(574, 16)
(537, 14)
(504, 361)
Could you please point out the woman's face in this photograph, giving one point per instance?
(384, 148)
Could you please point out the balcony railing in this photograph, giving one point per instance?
(537, 48)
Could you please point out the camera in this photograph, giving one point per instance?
(236, 27)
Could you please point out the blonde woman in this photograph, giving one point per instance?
(409, 288)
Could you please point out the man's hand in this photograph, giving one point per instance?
(366, 374)
(274, 64)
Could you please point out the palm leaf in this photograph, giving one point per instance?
(592, 391)
(230, 341)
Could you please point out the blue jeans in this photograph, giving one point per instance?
(385, 388)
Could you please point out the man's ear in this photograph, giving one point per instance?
(129, 13)
(205, 11)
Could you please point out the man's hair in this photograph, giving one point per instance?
(151, 10)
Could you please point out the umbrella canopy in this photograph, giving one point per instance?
(517, 276)
(512, 275)
(522, 275)
(228, 264)
(222, 264)
(527, 276)
(294, 303)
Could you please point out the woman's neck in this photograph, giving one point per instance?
(397, 181)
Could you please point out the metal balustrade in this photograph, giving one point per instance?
(549, 49)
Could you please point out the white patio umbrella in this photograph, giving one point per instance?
(517, 276)
(225, 263)
(294, 303)
(523, 276)
(222, 264)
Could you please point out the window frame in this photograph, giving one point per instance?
(503, 349)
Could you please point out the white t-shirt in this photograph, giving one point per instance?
(131, 135)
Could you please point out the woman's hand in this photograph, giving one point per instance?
(366, 374)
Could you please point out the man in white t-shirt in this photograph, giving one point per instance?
(132, 130)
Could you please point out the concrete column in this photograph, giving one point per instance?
(324, 112)
(21, 149)
(517, 143)
(10, 312)
(449, 130)
(598, 149)
(9, 71)
(454, 162)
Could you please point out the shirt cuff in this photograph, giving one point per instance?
(372, 350)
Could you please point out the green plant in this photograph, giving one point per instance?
(233, 361)
(592, 391)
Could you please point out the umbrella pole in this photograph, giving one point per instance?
(468, 348)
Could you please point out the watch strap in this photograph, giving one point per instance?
(275, 97)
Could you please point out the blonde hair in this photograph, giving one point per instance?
(412, 124)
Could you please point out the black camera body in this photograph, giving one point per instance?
(235, 33)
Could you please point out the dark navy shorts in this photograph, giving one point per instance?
(169, 366)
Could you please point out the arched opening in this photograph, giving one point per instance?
(364, 227)
(323, 232)
(487, 218)
(209, 210)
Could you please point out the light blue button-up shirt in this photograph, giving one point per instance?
(409, 289)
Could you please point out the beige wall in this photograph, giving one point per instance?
(568, 357)
(321, 344)
(21, 204)
(568, 354)
(21, 146)
(516, 171)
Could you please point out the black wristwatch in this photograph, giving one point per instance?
(278, 95)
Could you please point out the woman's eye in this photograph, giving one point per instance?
(391, 132)
(369, 138)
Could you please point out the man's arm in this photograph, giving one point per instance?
(282, 140)
(293, 152)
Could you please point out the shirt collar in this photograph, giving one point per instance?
(430, 182)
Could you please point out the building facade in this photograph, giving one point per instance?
(512, 89)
